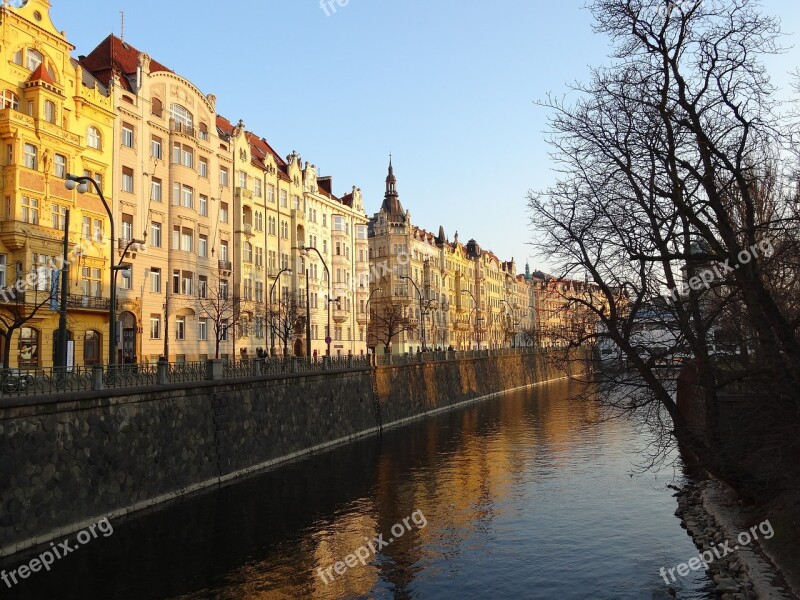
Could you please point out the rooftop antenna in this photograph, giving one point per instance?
(122, 25)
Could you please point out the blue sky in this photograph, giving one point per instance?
(448, 86)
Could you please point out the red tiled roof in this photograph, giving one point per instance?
(115, 55)
(41, 74)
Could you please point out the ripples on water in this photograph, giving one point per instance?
(524, 496)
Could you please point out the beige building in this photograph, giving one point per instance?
(430, 292)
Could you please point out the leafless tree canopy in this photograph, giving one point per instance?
(673, 162)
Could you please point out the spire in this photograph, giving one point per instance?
(391, 200)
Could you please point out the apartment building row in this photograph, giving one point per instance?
(230, 249)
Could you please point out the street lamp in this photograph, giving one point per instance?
(272, 324)
(423, 309)
(366, 308)
(475, 308)
(304, 250)
(82, 184)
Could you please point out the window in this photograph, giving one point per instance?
(91, 284)
(30, 156)
(33, 58)
(202, 286)
(284, 199)
(223, 212)
(361, 232)
(338, 223)
(157, 107)
(259, 220)
(86, 228)
(3, 263)
(127, 135)
(324, 220)
(155, 327)
(271, 223)
(28, 348)
(223, 251)
(223, 176)
(59, 216)
(180, 328)
(155, 189)
(30, 210)
(98, 233)
(243, 179)
(270, 193)
(155, 235)
(60, 166)
(203, 205)
(127, 180)
(187, 237)
(285, 229)
(49, 111)
(247, 252)
(93, 138)
(203, 131)
(202, 164)
(182, 117)
(202, 329)
(259, 291)
(223, 327)
(127, 227)
(187, 157)
(259, 257)
(9, 99)
(257, 187)
(187, 197)
(155, 279)
(126, 283)
(91, 348)
(202, 246)
(156, 147)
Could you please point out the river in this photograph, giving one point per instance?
(525, 495)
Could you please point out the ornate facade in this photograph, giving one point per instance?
(55, 119)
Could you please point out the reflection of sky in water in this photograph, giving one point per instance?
(523, 499)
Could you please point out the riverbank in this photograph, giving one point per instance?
(754, 549)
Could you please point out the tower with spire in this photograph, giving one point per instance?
(391, 199)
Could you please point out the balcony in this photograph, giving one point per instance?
(340, 315)
(247, 229)
(361, 317)
(225, 265)
(90, 303)
(182, 128)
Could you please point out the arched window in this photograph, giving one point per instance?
(28, 348)
(181, 116)
(203, 129)
(9, 99)
(93, 138)
(91, 347)
(33, 58)
(156, 107)
(30, 155)
(49, 111)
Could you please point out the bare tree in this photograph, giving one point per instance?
(221, 308)
(19, 304)
(387, 321)
(670, 171)
(287, 319)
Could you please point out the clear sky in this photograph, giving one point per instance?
(447, 86)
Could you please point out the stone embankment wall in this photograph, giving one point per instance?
(69, 460)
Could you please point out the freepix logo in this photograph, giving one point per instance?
(46, 559)
(329, 6)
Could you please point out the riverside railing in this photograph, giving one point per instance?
(58, 380)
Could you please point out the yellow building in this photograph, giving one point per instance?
(55, 119)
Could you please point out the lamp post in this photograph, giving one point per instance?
(366, 308)
(475, 308)
(511, 318)
(272, 324)
(304, 250)
(424, 308)
(82, 184)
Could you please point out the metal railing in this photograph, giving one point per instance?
(57, 380)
